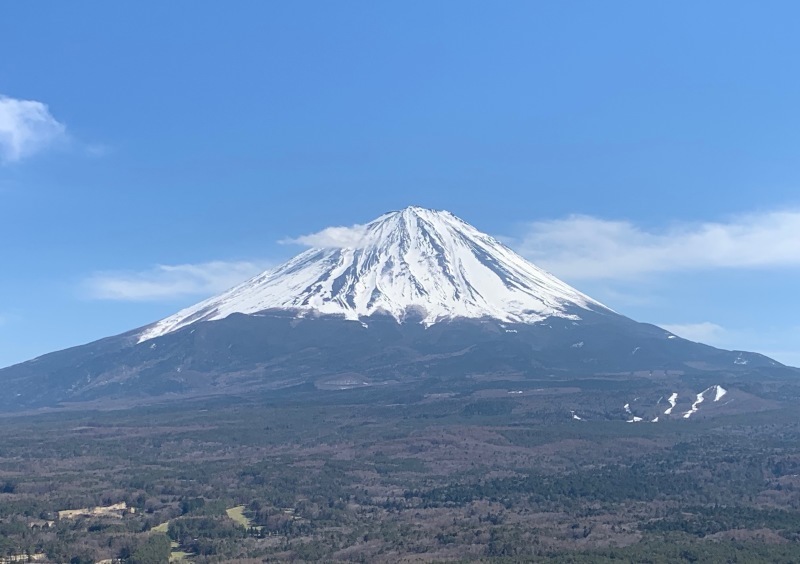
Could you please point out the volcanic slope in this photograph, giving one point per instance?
(416, 300)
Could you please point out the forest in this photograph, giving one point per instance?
(356, 477)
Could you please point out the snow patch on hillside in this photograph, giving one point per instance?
(695, 406)
(673, 400)
(719, 392)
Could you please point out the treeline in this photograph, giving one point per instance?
(679, 550)
(614, 484)
(703, 521)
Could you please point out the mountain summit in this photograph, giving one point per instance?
(418, 261)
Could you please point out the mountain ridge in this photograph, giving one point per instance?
(424, 304)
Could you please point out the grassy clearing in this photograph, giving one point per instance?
(237, 515)
(162, 528)
(179, 556)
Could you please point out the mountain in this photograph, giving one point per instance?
(417, 304)
(416, 260)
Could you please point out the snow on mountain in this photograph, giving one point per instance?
(414, 261)
(673, 400)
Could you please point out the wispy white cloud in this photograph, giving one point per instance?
(705, 332)
(331, 238)
(586, 247)
(165, 282)
(26, 127)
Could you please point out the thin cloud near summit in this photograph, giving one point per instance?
(338, 237)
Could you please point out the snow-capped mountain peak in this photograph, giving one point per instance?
(416, 260)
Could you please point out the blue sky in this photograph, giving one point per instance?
(152, 153)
